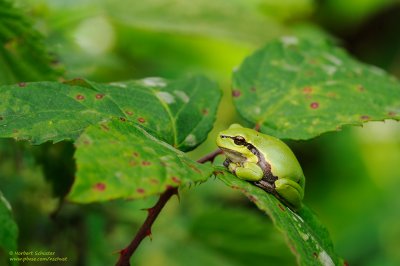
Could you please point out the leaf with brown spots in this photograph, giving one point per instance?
(309, 240)
(273, 89)
(173, 111)
(126, 162)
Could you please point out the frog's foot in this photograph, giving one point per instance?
(249, 172)
(290, 191)
(287, 191)
(227, 162)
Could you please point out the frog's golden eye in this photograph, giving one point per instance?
(238, 140)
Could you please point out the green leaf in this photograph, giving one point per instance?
(8, 228)
(297, 89)
(23, 55)
(205, 18)
(118, 159)
(180, 112)
(308, 239)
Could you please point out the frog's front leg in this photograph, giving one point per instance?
(290, 191)
(227, 162)
(247, 171)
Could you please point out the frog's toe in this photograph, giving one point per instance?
(290, 191)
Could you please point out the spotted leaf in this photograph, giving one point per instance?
(297, 89)
(179, 112)
(308, 239)
(118, 159)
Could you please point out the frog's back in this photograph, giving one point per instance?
(284, 163)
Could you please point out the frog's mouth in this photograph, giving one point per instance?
(234, 156)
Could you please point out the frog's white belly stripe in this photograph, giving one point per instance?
(234, 156)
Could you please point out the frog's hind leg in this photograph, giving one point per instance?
(290, 191)
(285, 191)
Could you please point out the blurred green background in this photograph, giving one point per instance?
(353, 176)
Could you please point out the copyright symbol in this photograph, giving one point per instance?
(10, 253)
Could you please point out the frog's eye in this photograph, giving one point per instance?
(239, 140)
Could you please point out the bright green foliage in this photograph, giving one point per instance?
(180, 112)
(299, 89)
(8, 228)
(207, 18)
(309, 240)
(23, 56)
(118, 159)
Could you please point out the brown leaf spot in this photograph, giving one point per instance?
(205, 111)
(135, 154)
(252, 198)
(141, 120)
(218, 173)
(15, 131)
(236, 93)
(360, 88)
(365, 117)
(281, 207)
(176, 179)
(1, 118)
(123, 119)
(389, 114)
(80, 97)
(194, 168)
(99, 96)
(315, 255)
(104, 127)
(345, 263)
(146, 163)
(314, 105)
(99, 186)
(307, 90)
(22, 84)
(253, 89)
(140, 190)
(129, 112)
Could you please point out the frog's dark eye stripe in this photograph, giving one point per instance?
(238, 140)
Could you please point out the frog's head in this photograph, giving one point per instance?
(236, 143)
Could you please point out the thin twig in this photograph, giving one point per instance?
(209, 157)
(145, 230)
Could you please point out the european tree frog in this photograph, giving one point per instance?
(265, 161)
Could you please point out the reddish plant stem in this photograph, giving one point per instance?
(209, 157)
(145, 230)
